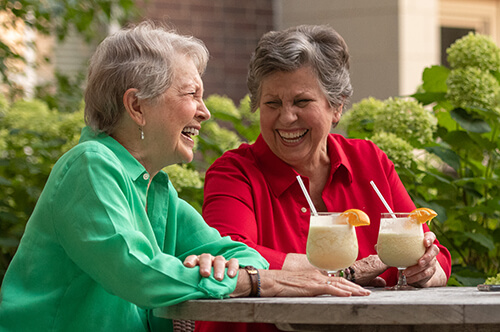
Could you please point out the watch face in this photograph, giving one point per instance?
(251, 270)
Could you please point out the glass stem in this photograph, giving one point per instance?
(401, 279)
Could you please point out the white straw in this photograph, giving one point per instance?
(308, 198)
(382, 199)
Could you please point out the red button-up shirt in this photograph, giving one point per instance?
(254, 197)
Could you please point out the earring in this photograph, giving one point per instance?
(142, 133)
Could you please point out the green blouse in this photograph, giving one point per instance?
(93, 259)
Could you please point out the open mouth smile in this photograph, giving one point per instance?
(292, 137)
(188, 132)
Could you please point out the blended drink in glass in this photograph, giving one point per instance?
(400, 244)
(400, 241)
(331, 244)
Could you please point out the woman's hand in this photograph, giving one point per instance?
(307, 283)
(367, 271)
(427, 272)
(219, 264)
(302, 283)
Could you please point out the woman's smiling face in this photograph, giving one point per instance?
(177, 116)
(295, 116)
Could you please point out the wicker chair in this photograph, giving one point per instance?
(183, 325)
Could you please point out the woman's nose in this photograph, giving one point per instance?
(203, 114)
(288, 114)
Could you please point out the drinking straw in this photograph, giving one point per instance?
(382, 199)
(308, 198)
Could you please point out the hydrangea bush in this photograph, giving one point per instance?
(455, 142)
(407, 119)
(399, 151)
(472, 87)
(396, 125)
(465, 185)
(359, 119)
(474, 50)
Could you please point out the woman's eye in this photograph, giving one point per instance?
(302, 102)
(272, 103)
(194, 95)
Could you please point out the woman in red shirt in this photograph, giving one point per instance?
(299, 79)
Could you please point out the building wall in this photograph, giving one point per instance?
(481, 15)
(229, 28)
(419, 42)
(390, 41)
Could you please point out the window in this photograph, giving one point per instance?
(458, 17)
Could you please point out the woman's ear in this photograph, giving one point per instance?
(337, 114)
(133, 106)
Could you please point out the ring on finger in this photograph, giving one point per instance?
(328, 282)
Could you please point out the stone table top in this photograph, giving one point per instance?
(431, 306)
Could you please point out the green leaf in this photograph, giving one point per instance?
(429, 97)
(461, 141)
(468, 275)
(225, 117)
(469, 123)
(447, 155)
(435, 79)
(478, 181)
(484, 240)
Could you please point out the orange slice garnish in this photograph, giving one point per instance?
(356, 217)
(423, 215)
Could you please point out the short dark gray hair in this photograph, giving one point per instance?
(318, 46)
(141, 56)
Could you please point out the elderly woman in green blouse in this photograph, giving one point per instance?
(109, 239)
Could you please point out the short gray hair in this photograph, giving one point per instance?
(142, 57)
(318, 46)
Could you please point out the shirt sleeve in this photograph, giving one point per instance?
(230, 208)
(195, 237)
(102, 230)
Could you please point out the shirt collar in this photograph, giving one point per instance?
(281, 176)
(131, 165)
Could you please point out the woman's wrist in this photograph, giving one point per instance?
(350, 274)
(243, 285)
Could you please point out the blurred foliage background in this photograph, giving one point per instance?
(444, 141)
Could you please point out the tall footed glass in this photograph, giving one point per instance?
(332, 244)
(400, 244)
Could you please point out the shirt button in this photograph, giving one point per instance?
(303, 210)
(145, 176)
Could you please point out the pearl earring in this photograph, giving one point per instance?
(142, 132)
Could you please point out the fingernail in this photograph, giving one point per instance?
(219, 276)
